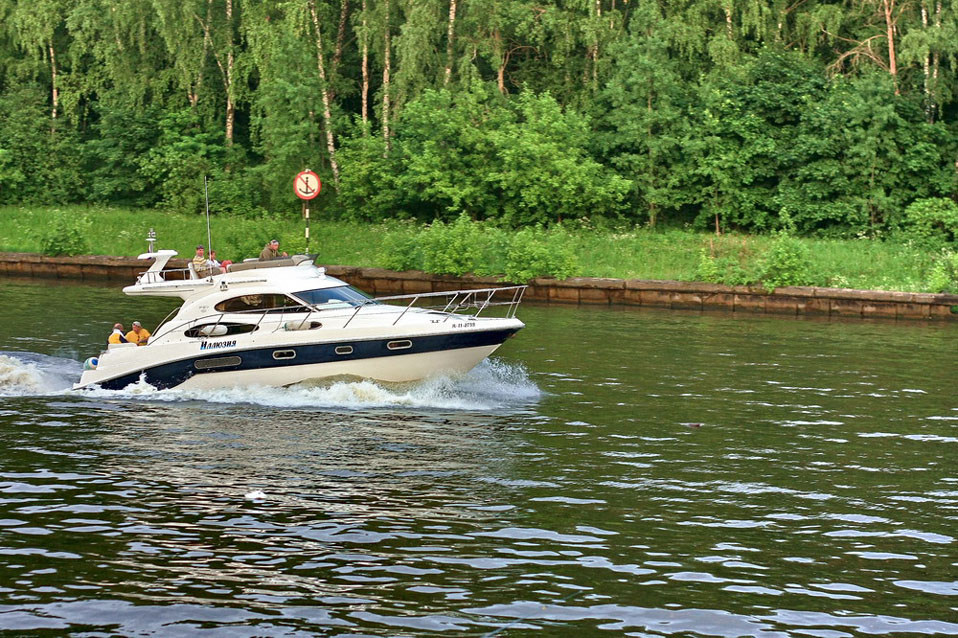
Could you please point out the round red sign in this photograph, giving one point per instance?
(307, 185)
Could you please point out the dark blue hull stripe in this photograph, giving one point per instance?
(172, 374)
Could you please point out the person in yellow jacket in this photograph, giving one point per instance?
(138, 334)
(117, 335)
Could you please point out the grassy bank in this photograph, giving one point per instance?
(641, 254)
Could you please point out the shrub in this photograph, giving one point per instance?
(932, 221)
(534, 252)
(944, 274)
(400, 250)
(726, 270)
(67, 235)
(707, 269)
(786, 264)
(452, 249)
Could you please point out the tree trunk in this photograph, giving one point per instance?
(340, 36)
(595, 48)
(193, 93)
(935, 61)
(888, 7)
(54, 91)
(365, 90)
(926, 70)
(450, 36)
(386, 70)
(503, 61)
(230, 102)
(327, 115)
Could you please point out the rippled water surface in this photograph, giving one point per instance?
(608, 472)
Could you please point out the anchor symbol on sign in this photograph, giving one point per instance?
(306, 189)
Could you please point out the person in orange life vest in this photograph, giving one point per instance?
(138, 334)
(117, 335)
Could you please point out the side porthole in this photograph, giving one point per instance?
(344, 350)
(281, 355)
(401, 344)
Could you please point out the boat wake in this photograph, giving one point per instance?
(32, 374)
(493, 384)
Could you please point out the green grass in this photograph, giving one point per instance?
(638, 254)
(120, 232)
(856, 263)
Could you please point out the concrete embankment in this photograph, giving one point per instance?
(793, 300)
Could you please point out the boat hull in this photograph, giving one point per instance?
(287, 364)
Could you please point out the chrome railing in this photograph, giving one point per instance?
(163, 276)
(457, 302)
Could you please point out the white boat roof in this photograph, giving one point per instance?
(293, 274)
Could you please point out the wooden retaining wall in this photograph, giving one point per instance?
(793, 301)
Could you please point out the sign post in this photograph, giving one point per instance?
(307, 185)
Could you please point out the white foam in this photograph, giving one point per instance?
(491, 385)
(31, 374)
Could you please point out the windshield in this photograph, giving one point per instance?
(338, 295)
(274, 303)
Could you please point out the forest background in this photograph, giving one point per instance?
(801, 117)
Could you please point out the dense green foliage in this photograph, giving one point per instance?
(479, 248)
(712, 115)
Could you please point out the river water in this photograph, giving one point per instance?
(609, 472)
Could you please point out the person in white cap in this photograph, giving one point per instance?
(138, 334)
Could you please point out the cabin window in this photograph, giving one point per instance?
(283, 355)
(261, 303)
(217, 362)
(220, 329)
(344, 349)
(401, 344)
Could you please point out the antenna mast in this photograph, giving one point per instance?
(209, 236)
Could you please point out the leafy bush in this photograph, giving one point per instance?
(534, 252)
(235, 192)
(466, 246)
(786, 264)
(452, 249)
(932, 221)
(183, 154)
(400, 250)
(66, 235)
(944, 274)
(518, 161)
(727, 269)
(724, 270)
(707, 269)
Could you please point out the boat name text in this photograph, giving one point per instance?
(214, 345)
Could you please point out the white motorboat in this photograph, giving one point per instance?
(286, 321)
